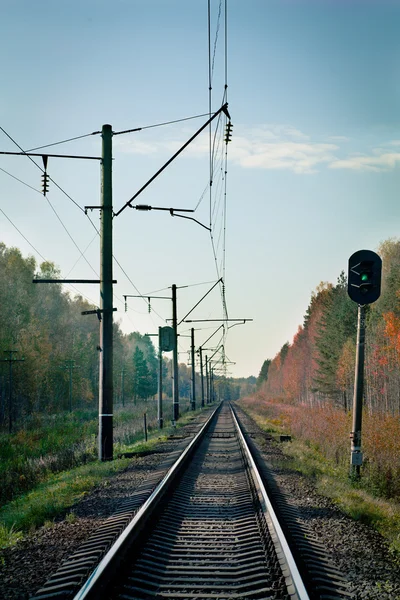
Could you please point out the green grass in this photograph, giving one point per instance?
(353, 498)
(9, 536)
(55, 495)
(58, 492)
(56, 443)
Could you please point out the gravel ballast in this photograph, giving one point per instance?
(358, 551)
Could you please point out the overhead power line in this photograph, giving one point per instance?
(78, 137)
(159, 124)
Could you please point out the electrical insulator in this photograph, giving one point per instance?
(149, 307)
(45, 183)
(228, 132)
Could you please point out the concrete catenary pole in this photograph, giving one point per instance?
(207, 382)
(193, 372)
(201, 376)
(175, 380)
(106, 298)
(160, 382)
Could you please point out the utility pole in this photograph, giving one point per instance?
(193, 373)
(175, 380)
(202, 376)
(105, 313)
(10, 360)
(123, 386)
(69, 365)
(207, 382)
(106, 298)
(160, 382)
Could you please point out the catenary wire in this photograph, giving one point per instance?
(50, 204)
(40, 169)
(159, 124)
(20, 180)
(44, 258)
(93, 225)
(78, 137)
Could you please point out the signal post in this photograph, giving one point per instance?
(364, 287)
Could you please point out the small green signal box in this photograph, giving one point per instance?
(167, 339)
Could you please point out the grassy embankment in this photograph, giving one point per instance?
(49, 466)
(320, 450)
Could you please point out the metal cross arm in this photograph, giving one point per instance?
(98, 312)
(125, 296)
(53, 155)
(201, 299)
(174, 212)
(224, 109)
(145, 207)
(212, 320)
(69, 281)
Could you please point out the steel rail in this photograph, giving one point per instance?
(272, 519)
(88, 590)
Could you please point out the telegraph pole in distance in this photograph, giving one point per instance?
(10, 360)
(69, 365)
(106, 297)
(175, 380)
(123, 386)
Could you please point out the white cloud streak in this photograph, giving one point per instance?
(276, 147)
(299, 157)
(385, 161)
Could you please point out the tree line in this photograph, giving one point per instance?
(318, 366)
(44, 325)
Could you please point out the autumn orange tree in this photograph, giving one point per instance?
(317, 367)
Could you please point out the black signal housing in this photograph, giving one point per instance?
(364, 277)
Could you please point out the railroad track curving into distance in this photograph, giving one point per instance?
(208, 531)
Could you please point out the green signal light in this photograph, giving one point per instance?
(364, 277)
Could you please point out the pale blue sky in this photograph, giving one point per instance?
(313, 171)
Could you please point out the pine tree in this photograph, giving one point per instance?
(263, 375)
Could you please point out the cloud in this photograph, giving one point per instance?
(383, 161)
(272, 147)
(338, 138)
(299, 157)
(278, 147)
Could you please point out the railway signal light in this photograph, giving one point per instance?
(228, 132)
(167, 339)
(45, 183)
(364, 277)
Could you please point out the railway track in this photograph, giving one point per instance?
(208, 530)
